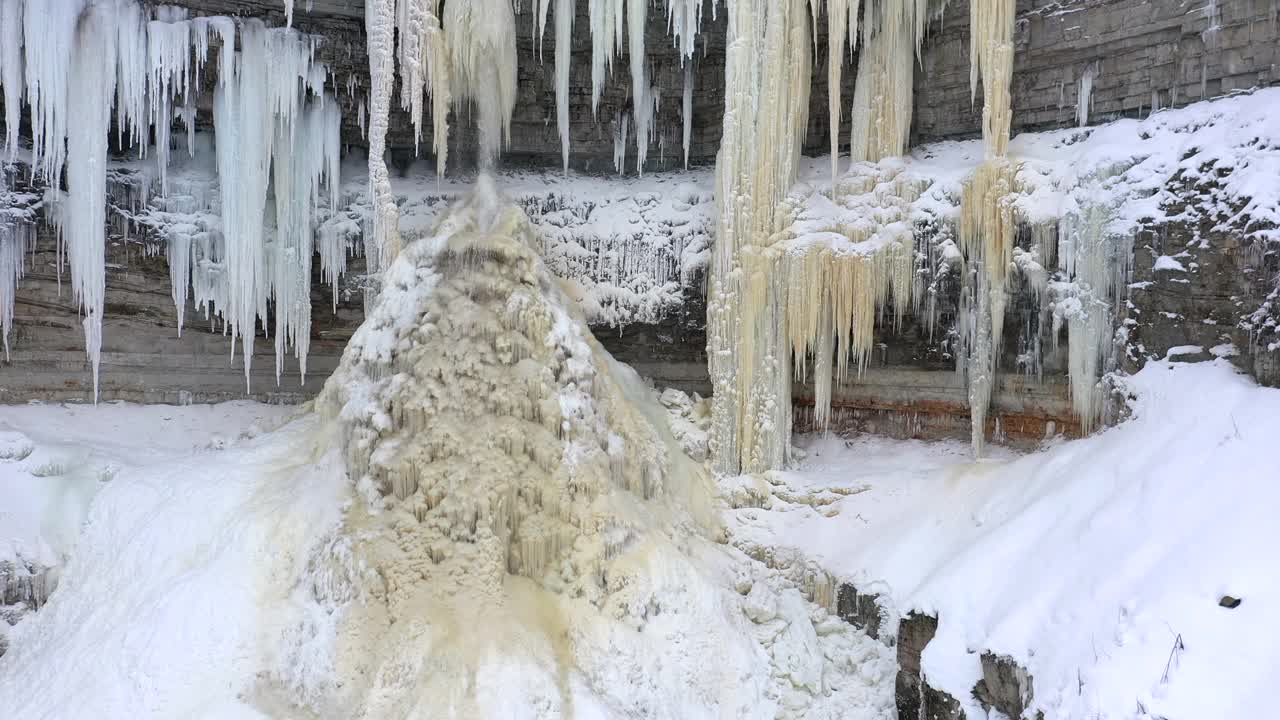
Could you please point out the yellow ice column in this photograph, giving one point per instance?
(767, 71)
(988, 226)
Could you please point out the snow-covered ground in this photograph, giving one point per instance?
(1098, 564)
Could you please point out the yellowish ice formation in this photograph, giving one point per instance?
(767, 71)
(988, 226)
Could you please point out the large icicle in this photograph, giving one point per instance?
(91, 88)
(11, 71)
(642, 99)
(606, 18)
(988, 226)
(881, 112)
(48, 69)
(379, 18)
(842, 18)
(564, 47)
(133, 57)
(169, 57)
(424, 68)
(481, 37)
(767, 96)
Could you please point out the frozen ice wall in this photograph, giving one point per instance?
(81, 65)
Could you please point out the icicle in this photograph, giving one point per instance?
(606, 33)
(620, 127)
(564, 45)
(842, 17)
(687, 111)
(48, 69)
(380, 29)
(132, 60)
(169, 57)
(642, 98)
(17, 236)
(288, 13)
(482, 49)
(881, 112)
(424, 66)
(92, 86)
(11, 71)
(987, 222)
(1085, 97)
(540, 22)
(767, 96)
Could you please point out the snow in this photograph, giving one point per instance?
(1169, 264)
(1084, 561)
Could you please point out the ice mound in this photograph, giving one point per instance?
(528, 539)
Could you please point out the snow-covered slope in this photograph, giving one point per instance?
(1097, 564)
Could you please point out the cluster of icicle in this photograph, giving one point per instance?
(72, 61)
(988, 225)
(17, 237)
(480, 412)
(787, 295)
(755, 275)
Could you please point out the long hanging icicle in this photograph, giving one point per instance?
(91, 88)
(842, 18)
(424, 68)
(482, 55)
(564, 47)
(606, 39)
(987, 222)
(11, 70)
(642, 99)
(48, 68)
(379, 18)
(766, 101)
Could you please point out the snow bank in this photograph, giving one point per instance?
(1097, 564)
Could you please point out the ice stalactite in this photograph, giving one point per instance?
(168, 60)
(1085, 98)
(606, 17)
(684, 20)
(17, 237)
(842, 31)
(686, 111)
(260, 123)
(11, 73)
(766, 101)
(988, 223)
(621, 128)
(481, 37)
(91, 87)
(133, 55)
(881, 111)
(384, 245)
(424, 72)
(564, 47)
(48, 70)
(642, 97)
(1097, 263)
(305, 159)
